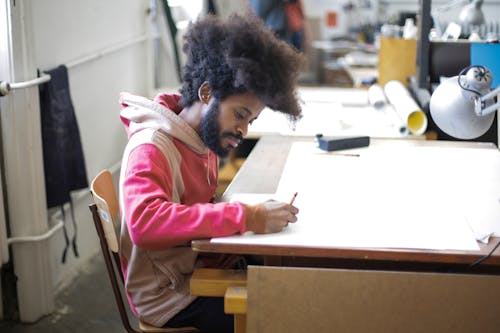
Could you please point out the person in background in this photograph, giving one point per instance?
(235, 67)
(284, 17)
(296, 23)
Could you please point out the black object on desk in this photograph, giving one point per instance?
(340, 143)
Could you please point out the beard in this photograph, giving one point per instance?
(211, 131)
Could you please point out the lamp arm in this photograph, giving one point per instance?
(491, 94)
(478, 108)
(488, 110)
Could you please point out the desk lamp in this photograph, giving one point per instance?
(463, 106)
(472, 13)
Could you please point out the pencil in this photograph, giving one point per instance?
(293, 198)
(344, 154)
(339, 154)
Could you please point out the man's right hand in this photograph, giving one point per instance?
(270, 216)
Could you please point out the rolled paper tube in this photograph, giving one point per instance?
(406, 107)
(399, 123)
(376, 96)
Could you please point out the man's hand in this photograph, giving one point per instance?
(270, 216)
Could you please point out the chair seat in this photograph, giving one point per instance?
(146, 328)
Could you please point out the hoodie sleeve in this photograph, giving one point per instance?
(154, 222)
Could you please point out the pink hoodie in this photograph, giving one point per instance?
(168, 177)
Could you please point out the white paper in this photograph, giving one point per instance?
(254, 198)
(346, 96)
(331, 112)
(397, 197)
(329, 119)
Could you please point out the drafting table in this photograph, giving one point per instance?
(261, 174)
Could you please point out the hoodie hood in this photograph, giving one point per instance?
(139, 113)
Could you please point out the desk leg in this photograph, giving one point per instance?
(240, 323)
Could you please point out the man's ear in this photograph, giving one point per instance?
(204, 92)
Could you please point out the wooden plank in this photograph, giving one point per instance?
(235, 300)
(214, 282)
(456, 260)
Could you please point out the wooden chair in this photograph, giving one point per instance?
(105, 213)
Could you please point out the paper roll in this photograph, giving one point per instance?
(396, 120)
(376, 96)
(406, 107)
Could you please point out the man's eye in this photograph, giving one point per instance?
(239, 115)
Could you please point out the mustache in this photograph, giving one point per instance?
(229, 134)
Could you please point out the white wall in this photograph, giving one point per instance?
(81, 35)
(86, 28)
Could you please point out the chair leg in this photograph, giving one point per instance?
(240, 323)
(235, 302)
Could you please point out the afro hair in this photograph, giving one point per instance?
(239, 55)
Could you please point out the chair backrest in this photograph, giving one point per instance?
(104, 210)
(105, 213)
(104, 194)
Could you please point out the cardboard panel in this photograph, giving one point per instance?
(329, 300)
(397, 60)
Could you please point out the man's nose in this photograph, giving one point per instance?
(243, 128)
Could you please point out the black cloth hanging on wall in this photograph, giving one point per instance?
(63, 158)
(62, 149)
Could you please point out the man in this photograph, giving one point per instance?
(169, 171)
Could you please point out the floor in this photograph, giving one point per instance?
(87, 305)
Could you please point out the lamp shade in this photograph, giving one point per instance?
(472, 13)
(453, 112)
